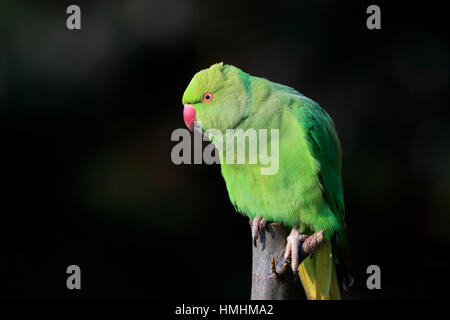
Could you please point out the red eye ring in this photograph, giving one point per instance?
(207, 97)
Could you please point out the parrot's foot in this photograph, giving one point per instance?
(298, 248)
(257, 224)
(294, 242)
(281, 270)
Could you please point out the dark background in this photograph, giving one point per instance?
(86, 118)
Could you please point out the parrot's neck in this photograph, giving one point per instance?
(264, 107)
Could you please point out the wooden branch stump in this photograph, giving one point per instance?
(271, 273)
(270, 244)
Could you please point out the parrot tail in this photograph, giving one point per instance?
(318, 275)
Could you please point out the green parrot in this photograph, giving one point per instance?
(306, 193)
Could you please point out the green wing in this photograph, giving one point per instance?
(324, 145)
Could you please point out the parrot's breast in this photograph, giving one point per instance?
(288, 196)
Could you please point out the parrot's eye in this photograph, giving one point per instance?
(207, 97)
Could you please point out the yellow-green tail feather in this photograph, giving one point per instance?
(318, 275)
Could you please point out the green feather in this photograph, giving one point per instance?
(307, 189)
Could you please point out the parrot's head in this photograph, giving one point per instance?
(216, 98)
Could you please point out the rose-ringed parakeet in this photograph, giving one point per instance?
(306, 192)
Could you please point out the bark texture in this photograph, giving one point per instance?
(271, 273)
(271, 243)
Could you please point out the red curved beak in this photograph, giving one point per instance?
(189, 115)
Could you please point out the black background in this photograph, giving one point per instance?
(86, 118)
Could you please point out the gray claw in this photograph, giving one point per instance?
(258, 224)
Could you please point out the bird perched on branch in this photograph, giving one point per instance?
(306, 192)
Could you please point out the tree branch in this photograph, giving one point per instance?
(270, 280)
